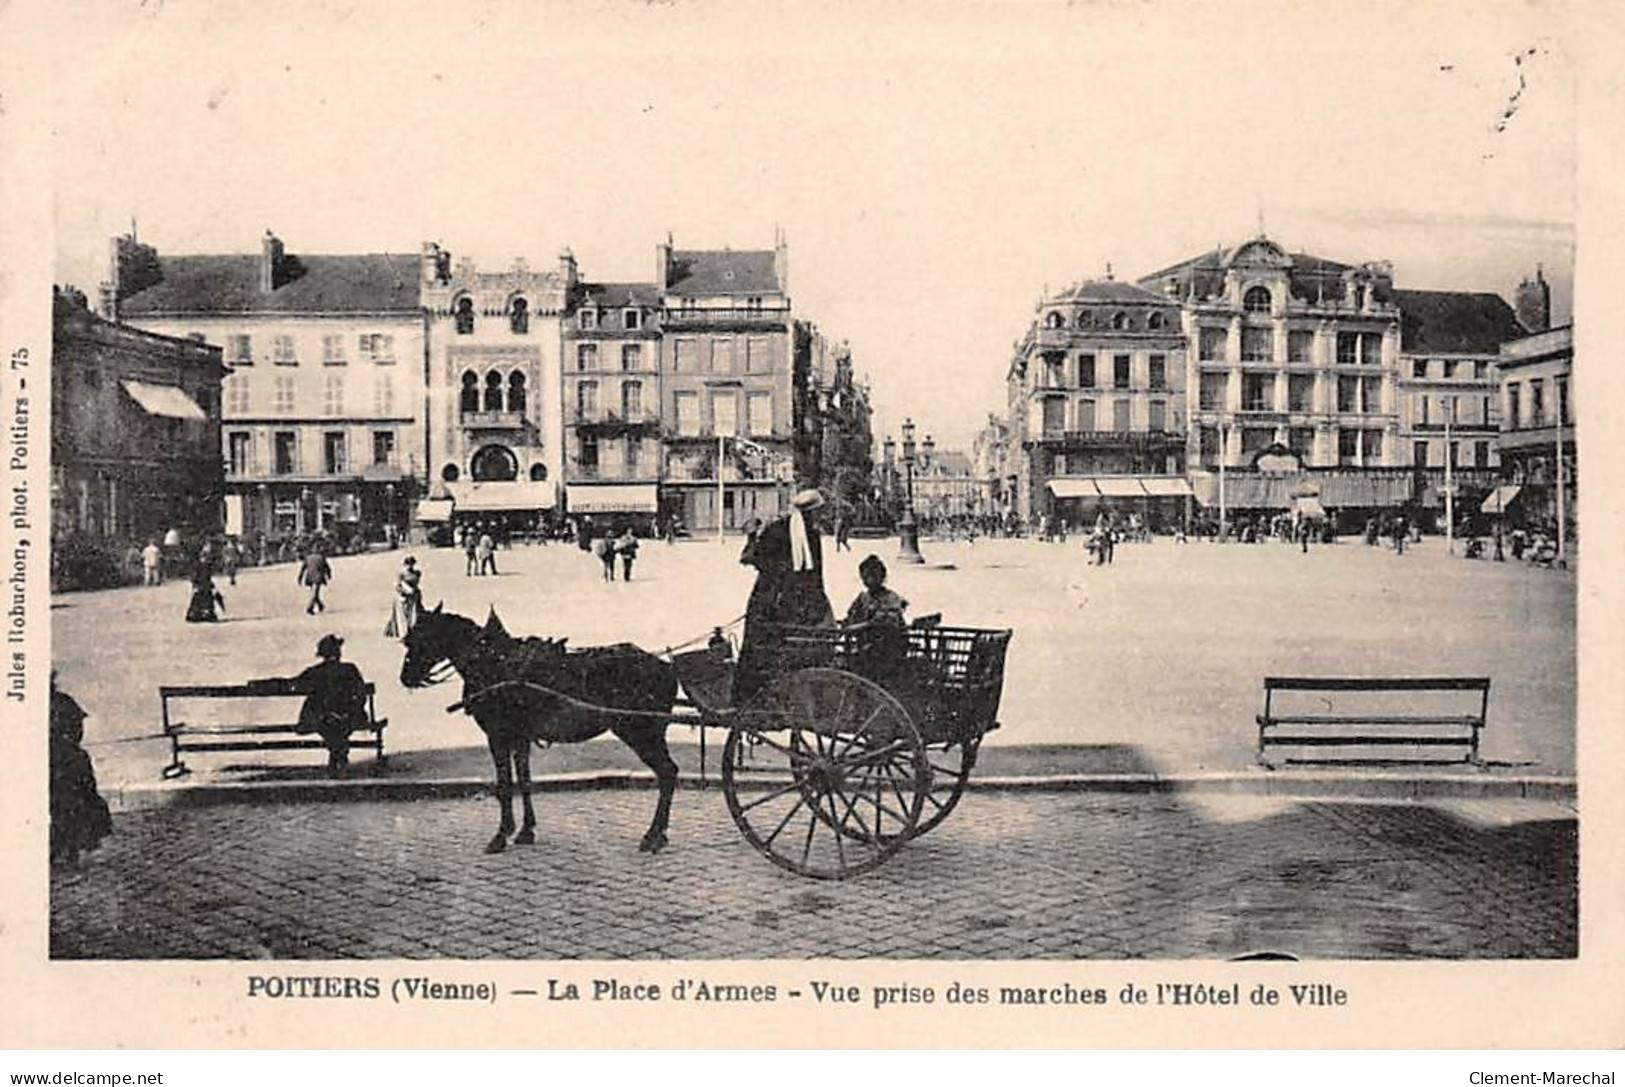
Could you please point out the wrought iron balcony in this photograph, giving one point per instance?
(493, 420)
(725, 315)
(614, 420)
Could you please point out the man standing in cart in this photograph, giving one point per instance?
(789, 588)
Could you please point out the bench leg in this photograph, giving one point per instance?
(176, 769)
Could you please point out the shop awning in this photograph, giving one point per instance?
(1501, 498)
(1120, 486)
(1309, 506)
(612, 497)
(1365, 491)
(433, 510)
(500, 497)
(165, 400)
(1073, 488)
(1166, 486)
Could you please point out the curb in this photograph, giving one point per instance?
(1401, 788)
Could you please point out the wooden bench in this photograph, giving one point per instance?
(1448, 721)
(187, 736)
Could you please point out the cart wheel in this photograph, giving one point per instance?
(825, 773)
(951, 764)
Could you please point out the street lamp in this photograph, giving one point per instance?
(908, 532)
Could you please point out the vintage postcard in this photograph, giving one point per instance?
(1023, 524)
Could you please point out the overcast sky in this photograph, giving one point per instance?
(934, 167)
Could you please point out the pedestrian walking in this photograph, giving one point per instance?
(843, 532)
(152, 570)
(603, 548)
(314, 573)
(627, 548)
(486, 550)
(205, 597)
(408, 603)
(231, 557)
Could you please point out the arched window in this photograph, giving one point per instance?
(1154, 321)
(516, 392)
(538, 473)
(494, 462)
(465, 316)
(1053, 320)
(1085, 319)
(1256, 300)
(493, 391)
(470, 399)
(519, 317)
(451, 473)
(1120, 320)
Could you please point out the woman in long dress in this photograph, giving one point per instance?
(205, 597)
(789, 590)
(79, 816)
(408, 603)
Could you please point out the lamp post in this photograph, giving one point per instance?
(908, 532)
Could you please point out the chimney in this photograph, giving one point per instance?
(107, 300)
(567, 268)
(429, 264)
(272, 270)
(1534, 303)
(781, 261)
(663, 264)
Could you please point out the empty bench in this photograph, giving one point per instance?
(1372, 721)
(279, 735)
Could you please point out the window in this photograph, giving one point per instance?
(1158, 417)
(632, 355)
(516, 392)
(587, 400)
(725, 413)
(1348, 389)
(1085, 319)
(1419, 368)
(685, 356)
(722, 356)
(464, 316)
(237, 395)
(1257, 392)
(1053, 319)
(1481, 371)
(519, 317)
(239, 446)
(1419, 454)
(332, 350)
(586, 356)
(758, 359)
(282, 351)
(1301, 440)
(284, 396)
(1562, 384)
(451, 473)
(1158, 367)
(1257, 345)
(760, 414)
(589, 318)
(1256, 300)
(538, 473)
(1484, 408)
(469, 399)
(1121, 371)
(1213, 392)
(1348, 348)
(1211, 344)
(632, 400)
(688, 414)
(1054, 416)
(1208, 442)
(1154, 320)
(1537, 402)
(1086, 371)
(1427, 410)
(1514, 407)
(589, 452)
(333, 452)
(632, 319)
(1300, 392)
(1370, 350)
(1348, 446)
(1255, 439)
(240, 350)
(383, 395)
(377, 348)
(286, 444)
(1086, 415)
(1449, 368)
(333, 395)
(634, 453)
(1120, 415)
(1481, 454)
(383, 447)
(1300, 345)
(1371, 444)
(1371, 395)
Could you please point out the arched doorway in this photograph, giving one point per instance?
(494, 463)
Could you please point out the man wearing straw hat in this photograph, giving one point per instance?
(789, 588)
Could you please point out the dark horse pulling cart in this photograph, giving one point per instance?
(861, 738)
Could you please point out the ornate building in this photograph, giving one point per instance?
(495, 438)
(834, 427)
(993, 465)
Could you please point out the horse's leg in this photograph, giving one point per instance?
(499, 755)
(521, 770)
(649, 741)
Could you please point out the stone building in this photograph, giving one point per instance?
(946, 487)
(135, 441)
(323, 415)
(834, 427)
(726, 344)
(495, 437)
(1096, 406)
(1536, 427)
(992, 465)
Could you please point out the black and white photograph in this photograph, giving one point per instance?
(664, 484)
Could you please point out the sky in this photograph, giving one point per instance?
(935, 167)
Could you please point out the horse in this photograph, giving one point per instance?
(536, 690)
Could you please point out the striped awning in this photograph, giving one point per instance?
(1501, 498)
(165, 400)
(499, 497)
(433, 510)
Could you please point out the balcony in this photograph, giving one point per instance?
(726, 317)
(1094, 439)
(492, 420)
(614, 420)
(628, 473)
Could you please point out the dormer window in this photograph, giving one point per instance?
(1120, 321)
(1154, 321)
(589, 318)
(1084, 319)
(465, 316)
(1256, 300)
(519, 317)
(632, 320)
(1053, 319)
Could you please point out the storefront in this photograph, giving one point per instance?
(1159, 502)
(511, 507)
(633, 504)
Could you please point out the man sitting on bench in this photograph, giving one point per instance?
(335, 700)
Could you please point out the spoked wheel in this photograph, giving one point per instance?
(825, 773)
(951, 764)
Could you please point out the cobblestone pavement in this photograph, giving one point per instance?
(1011, 875)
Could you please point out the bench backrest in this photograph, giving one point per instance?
(1366, 683)
(238, 690)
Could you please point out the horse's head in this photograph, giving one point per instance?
(437, 639)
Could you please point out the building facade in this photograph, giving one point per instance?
(495, 437)
(1536, 437)
(992, 464)
(323, 414)
(726, 367)
(1095, 396)
(135, 441)
(834, 427)
(946, 488)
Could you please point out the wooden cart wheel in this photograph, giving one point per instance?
(825, 773)
(951, 764)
